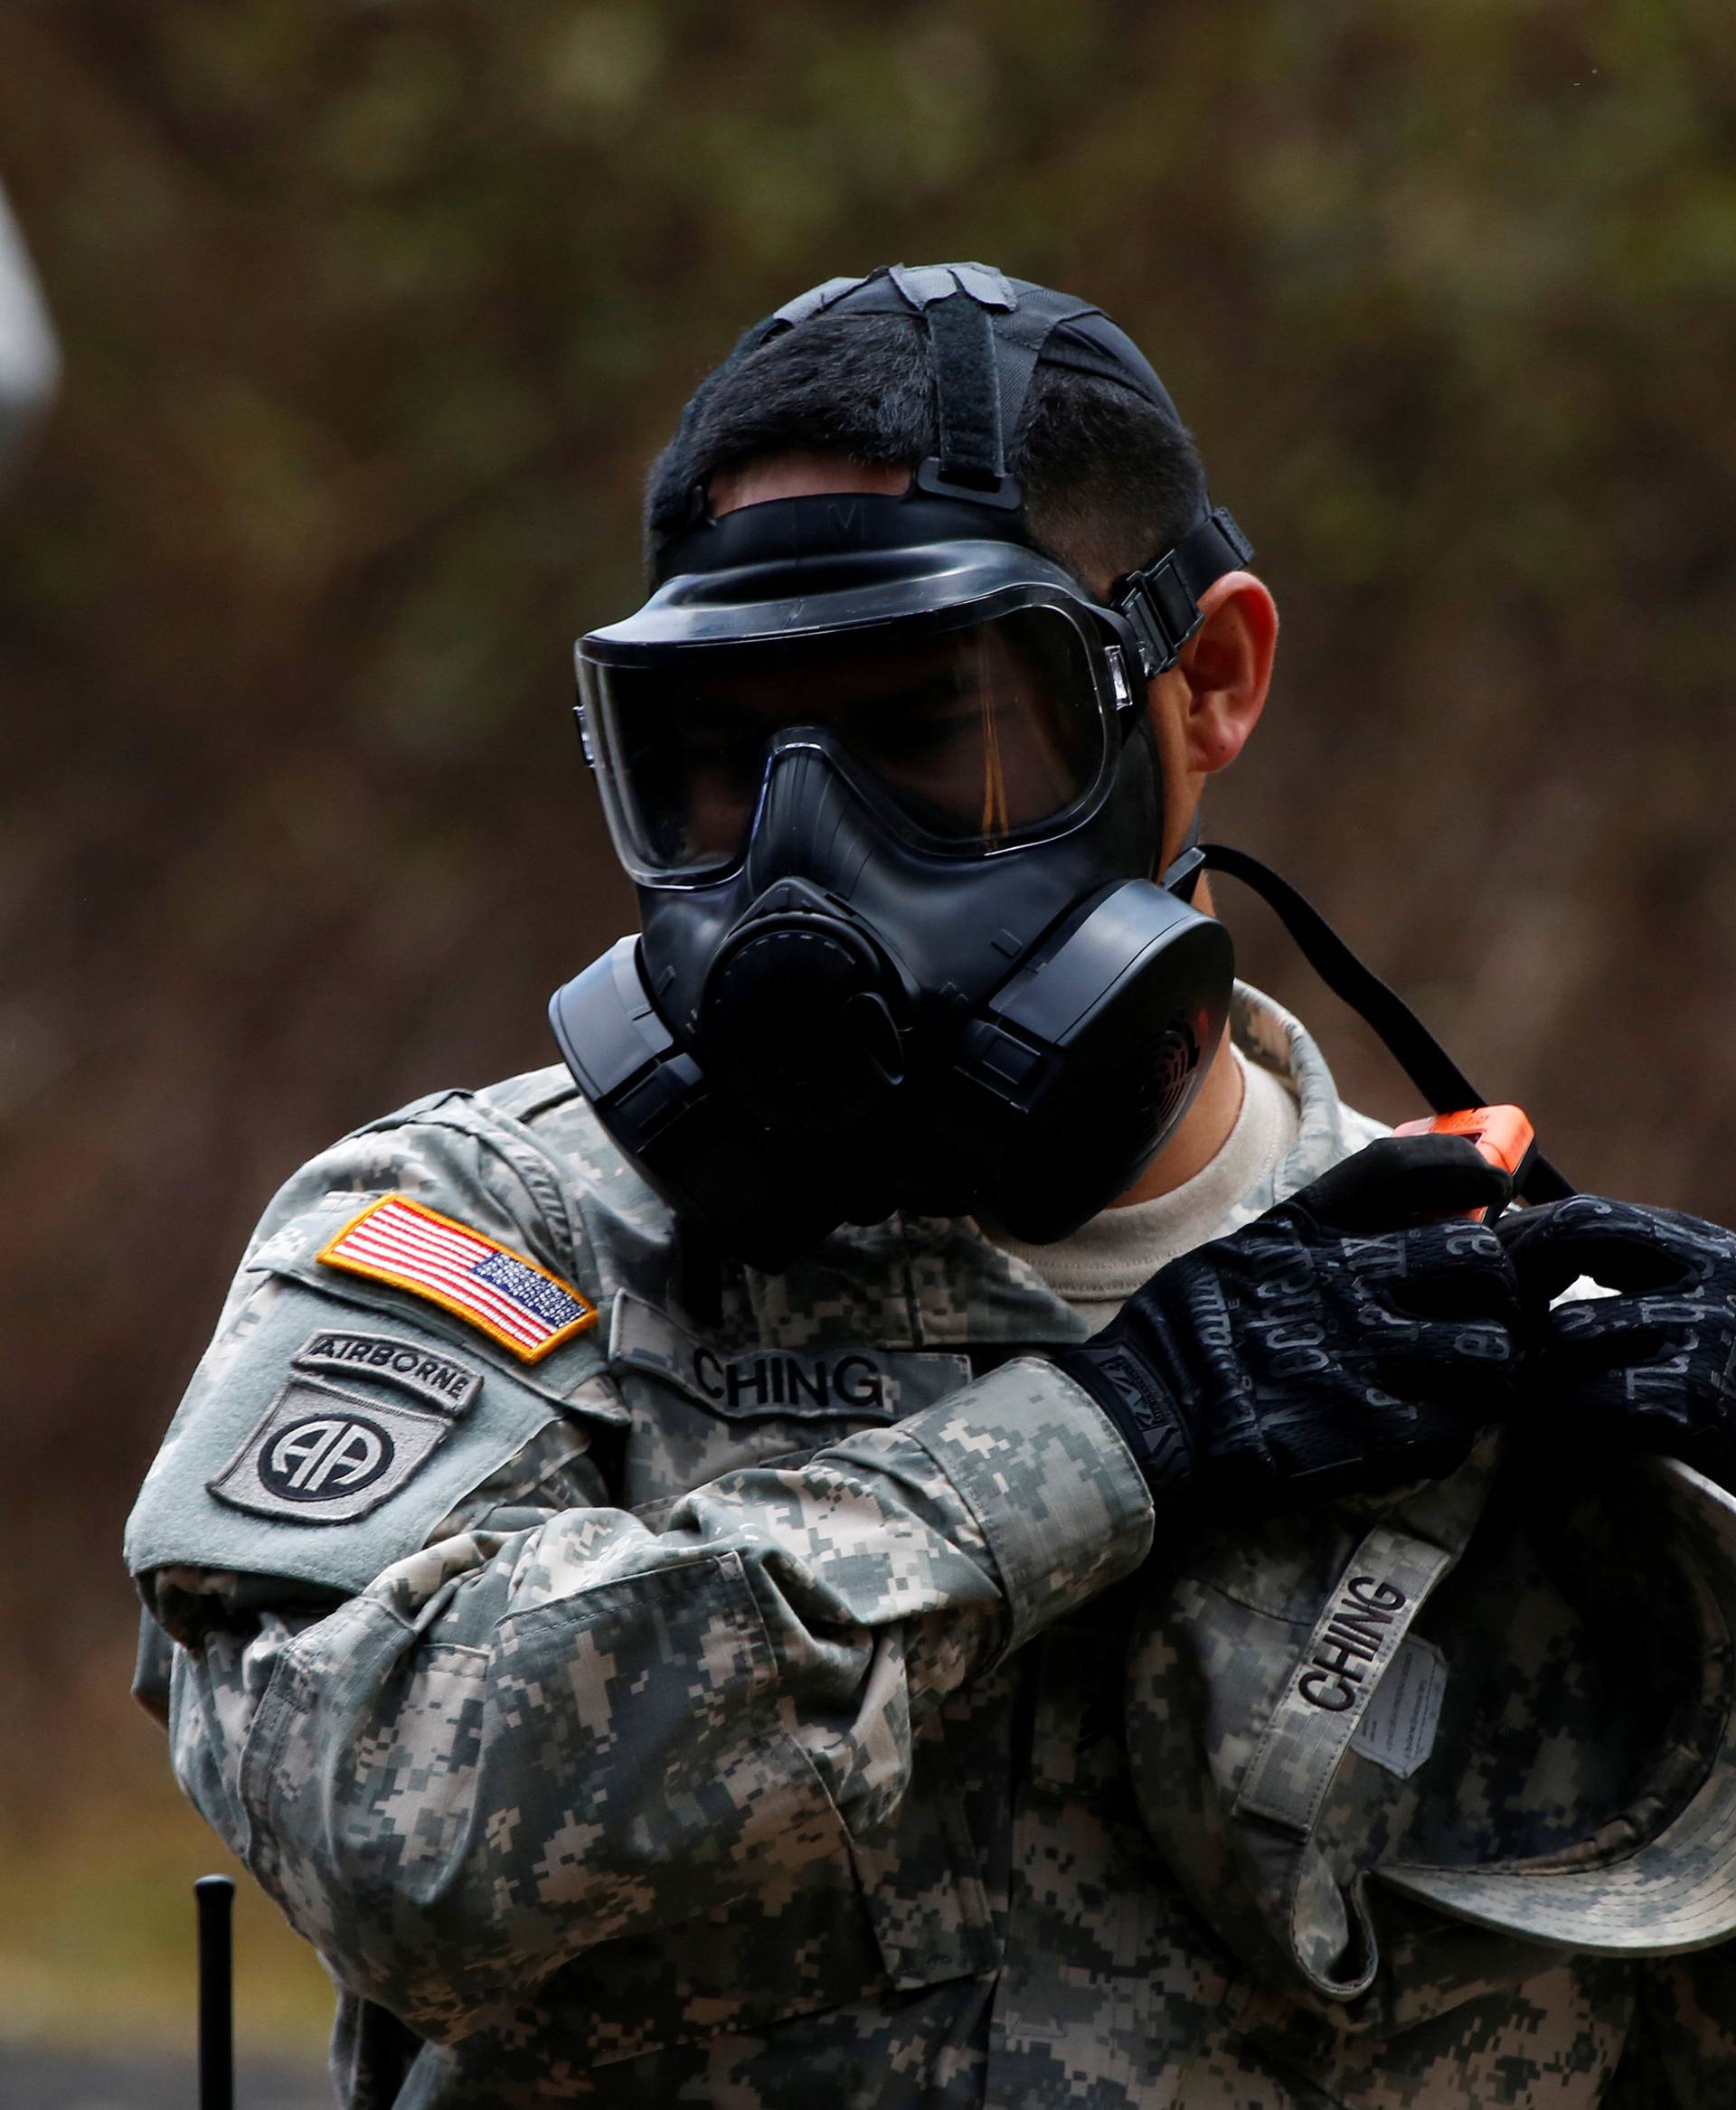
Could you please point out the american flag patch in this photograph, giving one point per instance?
(510, 1298)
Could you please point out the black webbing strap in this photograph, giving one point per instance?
(986, 333)
(1024, 321)
(1024, 337)
(1442, 1083)
(1207, 551)
(1162, 602)
(967, 393)
(988, 336)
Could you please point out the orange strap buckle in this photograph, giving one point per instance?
(1503, 1135)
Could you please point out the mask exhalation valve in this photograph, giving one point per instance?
(805, 1012)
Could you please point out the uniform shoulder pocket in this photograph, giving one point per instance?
(328, 1431)
(411, 1320)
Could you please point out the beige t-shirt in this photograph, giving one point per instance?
(1101, 1265)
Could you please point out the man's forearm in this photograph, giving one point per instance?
(511, 1747)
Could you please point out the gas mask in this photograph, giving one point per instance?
(882, 776)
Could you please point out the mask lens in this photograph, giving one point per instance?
(978, 735)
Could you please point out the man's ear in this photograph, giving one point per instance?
(1220, 680)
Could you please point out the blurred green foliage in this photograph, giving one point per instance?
(373, 312)
(97, 1946)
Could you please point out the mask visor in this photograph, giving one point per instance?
(968, 736)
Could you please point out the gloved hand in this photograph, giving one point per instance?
(1344, 1340)
(1650, 1367)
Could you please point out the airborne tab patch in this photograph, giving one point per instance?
(441, 1380)
(504, 1293)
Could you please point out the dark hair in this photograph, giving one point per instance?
(1110, 482)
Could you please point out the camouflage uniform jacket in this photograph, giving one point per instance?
(726, 1709)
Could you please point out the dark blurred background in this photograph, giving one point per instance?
(373, 315)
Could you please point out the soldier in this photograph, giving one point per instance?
(733, 1585)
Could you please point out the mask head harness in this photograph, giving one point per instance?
(881, 773)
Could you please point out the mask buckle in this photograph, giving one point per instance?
(1161, 614)
(980, 487)
(1184, 875)
(1161, 604)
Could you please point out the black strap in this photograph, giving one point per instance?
(967, 394)
(1410, 1043)
(1162, 602)
(1025, 336)
(1207, 551)
(1028, 322)
(988, 333)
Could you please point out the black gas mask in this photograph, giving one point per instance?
(883, 775)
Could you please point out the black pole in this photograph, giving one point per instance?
(215, 1897)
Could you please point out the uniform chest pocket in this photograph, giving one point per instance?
(701, 1409)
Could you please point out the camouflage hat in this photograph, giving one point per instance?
(1503, 1697)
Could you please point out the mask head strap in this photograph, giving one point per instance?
(1162, 602)
(986, 333)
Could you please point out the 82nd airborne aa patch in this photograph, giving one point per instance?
(323, 1453)
(502, 1294)
(322, 1456)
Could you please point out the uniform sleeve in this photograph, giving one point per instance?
(515, 1744)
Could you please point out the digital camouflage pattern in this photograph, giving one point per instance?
(1565, 1774)
(737, 1747)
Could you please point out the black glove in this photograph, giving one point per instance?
(1648, 1369)
(1324, 1348)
